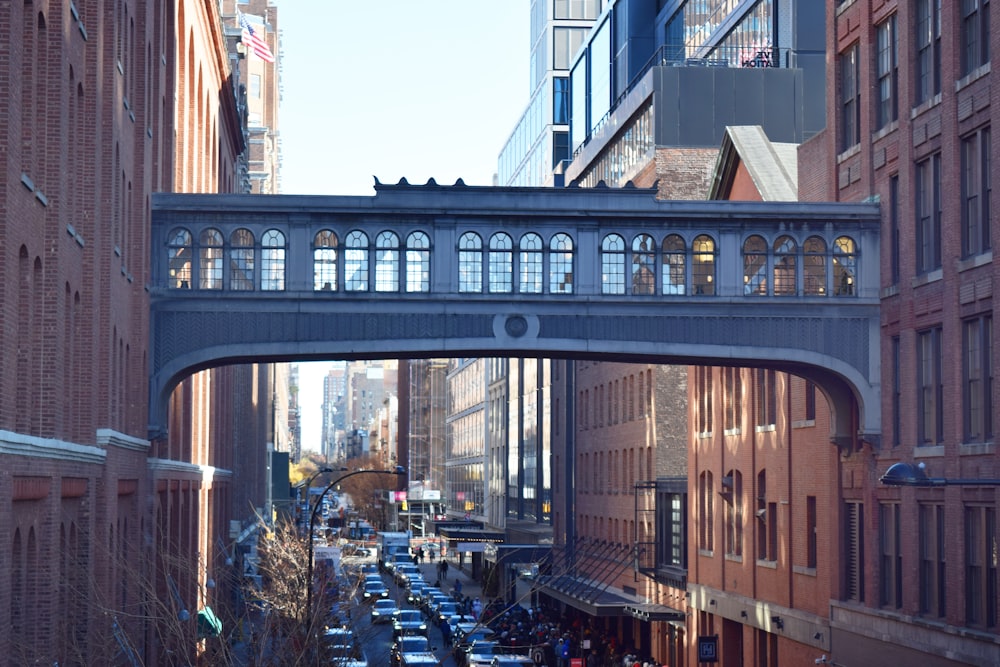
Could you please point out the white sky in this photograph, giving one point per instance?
(413, 89)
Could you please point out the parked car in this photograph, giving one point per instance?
(479, 653)
(412, 650)
(512, 661)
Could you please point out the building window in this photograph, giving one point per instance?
(272, 261)
(928, 65)
(418, 262)
(814, 266)
(850, 98)
(703, 265)
(810, 401)
(929, 407)
(975, 35)
(210, 259)
(560, 101)
(643, 265)
(241, 260)
(734, 516)
(356, 262)
(888, 72)
(254, 91)
(673, 271)
(981, 547)
(613, 264)
(703, 390)
(812, 536)
(577, 9)
(976, 192)
(890, 558)
(894, 222)
(845, 259)
(179, 259)
(755, 266)
(733, 397)
(897, 390)
(387, 262)
(529, 267)
(671, 517)
(785, 267)
(977, 379)
(560, 148)
(761, 515)
(932, 570)
(767, 397)
(929, 214)
(470, 263)
(501, 264)
(325, 261)
(854, 551)
(566, 42)
(706, 500)
(561, 264)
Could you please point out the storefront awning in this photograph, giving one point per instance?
(469, 534)
(209, 624)
(587, 596)
(654, 612)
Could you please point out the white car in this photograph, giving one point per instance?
(384, 611)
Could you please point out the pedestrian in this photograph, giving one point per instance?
(563, 652)
(445, 628)
(477, 608)
(458, 586)
(444, 569)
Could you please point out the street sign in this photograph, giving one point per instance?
(708, 649)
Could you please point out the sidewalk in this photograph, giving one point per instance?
(470, 587)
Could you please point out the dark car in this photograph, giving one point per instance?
(374, 590)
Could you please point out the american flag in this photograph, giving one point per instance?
(253, 42)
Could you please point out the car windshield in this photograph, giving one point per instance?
(374, 586)
(409, 615)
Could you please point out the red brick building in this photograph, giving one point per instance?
(103, 528)
(910, 111)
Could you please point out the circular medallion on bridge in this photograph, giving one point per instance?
(516, 326)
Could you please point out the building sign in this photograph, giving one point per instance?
(708, 649)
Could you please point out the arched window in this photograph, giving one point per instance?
(179, 259)
(387, 262)
(418, 262)
(561, 264)
(703, 265)
(272, 261)
(844, 266)
(501, 264)
(210, 259)
(643, 265)
(814, 267)
(755, 266)
(325, 261)
(613, 264)
(356, 262)
(674, 268)
(530, 264)
(785, 252)
(470, 263)
(241, 260)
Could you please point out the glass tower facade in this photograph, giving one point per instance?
(540, 140)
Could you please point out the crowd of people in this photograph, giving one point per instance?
(551, 638)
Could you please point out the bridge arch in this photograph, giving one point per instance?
(439, 271)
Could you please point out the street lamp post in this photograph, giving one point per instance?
(398, 470)
(908, 474)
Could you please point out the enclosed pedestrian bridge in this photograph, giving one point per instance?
(457, 271)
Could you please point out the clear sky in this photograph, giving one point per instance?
(413, 89)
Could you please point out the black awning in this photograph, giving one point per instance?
(469, 534)
(654, 612)
(585, 595)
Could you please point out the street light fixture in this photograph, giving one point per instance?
(908, 474)
(398, 470)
